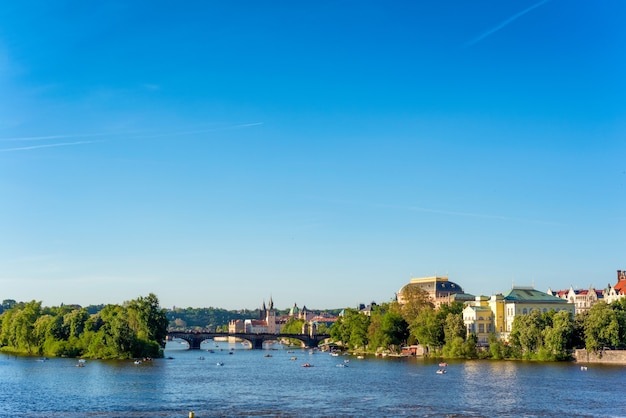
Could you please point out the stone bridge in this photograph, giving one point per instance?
(195, 338)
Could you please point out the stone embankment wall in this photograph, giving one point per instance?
(604, 356)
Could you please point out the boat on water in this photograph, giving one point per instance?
(137, 362)
(307, 365)
(583, 368)
(219, 363)
(443, 364)
(342, 365)
(294, 358)
(441, 371)
(360, 357)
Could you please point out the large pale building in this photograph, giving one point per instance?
(497, 314)
(583, 299)
(440, 290)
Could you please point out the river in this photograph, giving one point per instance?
(270, 383)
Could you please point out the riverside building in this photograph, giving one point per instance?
(440, 290)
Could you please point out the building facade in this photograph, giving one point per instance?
(440, 290)
(267, 322)
(479, 319)
(497, 313)
(613, 293)
(583, 299)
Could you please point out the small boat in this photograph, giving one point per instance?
(293, 358)
(81, 363)
(219, 363)
(342, 365)
(268, 355)
(201, 358)
(307, 365)
(346, 361)
(360, 357)
(443, 364)
(583, 368)
(334, 354)
(441, 371)
(137, 362)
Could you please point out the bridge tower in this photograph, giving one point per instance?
(270, 318)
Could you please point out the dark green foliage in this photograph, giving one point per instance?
(205, 318)
(387, 329)
(293, 326)
(351, 329)
(137, 329)
(602, 326)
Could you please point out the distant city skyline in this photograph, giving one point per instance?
(322, 153)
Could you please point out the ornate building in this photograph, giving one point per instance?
(583, 299)
(440, 290)
(613, 293)
(265, 324)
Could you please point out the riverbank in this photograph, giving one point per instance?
(617, 357)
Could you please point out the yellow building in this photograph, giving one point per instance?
(504, 308)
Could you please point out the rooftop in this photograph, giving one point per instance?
(529, 294)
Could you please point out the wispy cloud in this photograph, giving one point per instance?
(128, 135)
(505, 23)
(44, 138)
(58, 144)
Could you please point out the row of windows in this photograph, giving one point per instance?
(481, 328)
(525, 311)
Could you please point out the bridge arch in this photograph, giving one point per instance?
(195, 339)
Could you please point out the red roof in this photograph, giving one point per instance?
(620, 287)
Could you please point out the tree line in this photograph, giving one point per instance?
(547, 336)
(135, 329)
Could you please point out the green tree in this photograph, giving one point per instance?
(351, 329)
(454, 327)
(387, 329)
(557, 337)
(601, 327)
(428, 329)
(147, 319)
(416, 300)
(498, 350)
(23, 327)
(526, 333)
(619, 307)
(293, 326)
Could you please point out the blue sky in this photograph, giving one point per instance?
(322, 153)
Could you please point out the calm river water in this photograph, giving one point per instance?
(250, 383)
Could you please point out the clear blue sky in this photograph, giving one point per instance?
(318, 152)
